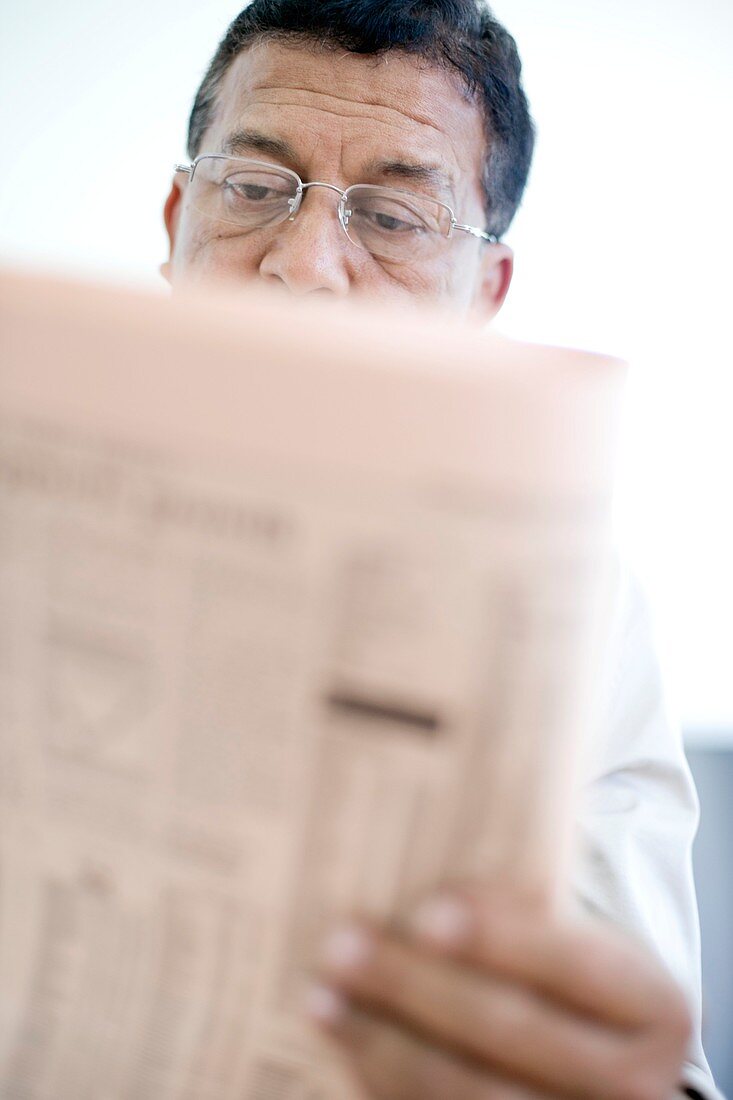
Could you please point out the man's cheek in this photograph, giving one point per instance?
(442, 283)
(216, 252)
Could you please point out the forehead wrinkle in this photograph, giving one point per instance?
(357, 103)
(410, 159)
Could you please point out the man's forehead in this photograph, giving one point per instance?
(393, 99)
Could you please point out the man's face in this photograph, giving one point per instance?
(342, 118)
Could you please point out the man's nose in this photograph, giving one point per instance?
(310, 253)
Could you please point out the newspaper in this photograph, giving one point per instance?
(300, 614)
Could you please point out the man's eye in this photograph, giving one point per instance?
(390, 223)
(396, 225)
(252, 192)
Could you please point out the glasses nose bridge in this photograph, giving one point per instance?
(343, 196)
(328, 186)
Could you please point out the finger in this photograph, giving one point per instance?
(394, 1064)
(591, 968)
(504, 1027)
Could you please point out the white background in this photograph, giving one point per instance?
(624, 243)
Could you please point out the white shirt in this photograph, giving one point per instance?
(640, 817)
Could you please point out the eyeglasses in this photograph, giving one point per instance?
(393, 225)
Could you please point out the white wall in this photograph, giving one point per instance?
(625, 242)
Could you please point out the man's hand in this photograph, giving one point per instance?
(488, 998)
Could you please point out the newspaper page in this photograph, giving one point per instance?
(299, 615)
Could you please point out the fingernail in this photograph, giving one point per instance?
(443, 920)
(324, 1005)
(346, 949)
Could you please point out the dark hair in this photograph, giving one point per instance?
(460, 35)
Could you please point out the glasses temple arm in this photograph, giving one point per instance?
(481, 233)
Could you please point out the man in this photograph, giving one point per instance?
(381, 148)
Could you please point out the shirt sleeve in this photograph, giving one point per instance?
(639, 817)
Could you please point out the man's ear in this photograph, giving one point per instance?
(171, 217)
(492, 285)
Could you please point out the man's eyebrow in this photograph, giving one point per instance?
(253, 141)
(413, 173)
